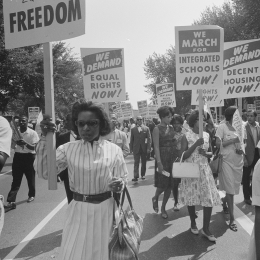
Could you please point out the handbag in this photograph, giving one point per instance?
(216, 163)
(185, 169)
(126, 236)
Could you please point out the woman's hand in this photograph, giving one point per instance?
(160, 167)
(199, 142)
(239, 151)
(202, 152)
(236, 140)
(47, 125)
(116, 184)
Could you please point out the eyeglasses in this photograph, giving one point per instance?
(91, 123)
(138, 119)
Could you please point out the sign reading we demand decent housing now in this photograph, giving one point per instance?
(199, 57)
(241, 69)
(103, 74)
(29, 22)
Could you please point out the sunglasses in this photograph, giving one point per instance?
(91, 123)
(138, 119)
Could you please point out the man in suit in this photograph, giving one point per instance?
(117, 136)
(63, 139)
(251, 153)
(140, 144)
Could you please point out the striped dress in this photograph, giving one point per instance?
(87, 226)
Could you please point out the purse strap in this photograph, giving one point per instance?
(126, 192)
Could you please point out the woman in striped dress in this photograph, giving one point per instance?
(96, 168)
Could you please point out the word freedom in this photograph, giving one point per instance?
(44, 16)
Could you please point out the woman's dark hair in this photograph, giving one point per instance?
(229, 112)
(164, 111)
(97, 109)
(177, 118)
(194, 116)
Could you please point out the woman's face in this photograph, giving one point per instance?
(167, 119)
(88, 125)
(177, 126)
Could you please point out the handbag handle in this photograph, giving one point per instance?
(126, 192)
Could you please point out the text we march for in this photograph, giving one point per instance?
(103, 74)
(199, 57)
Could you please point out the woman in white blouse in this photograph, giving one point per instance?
(96, 168)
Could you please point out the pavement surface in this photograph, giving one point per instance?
(34, 230)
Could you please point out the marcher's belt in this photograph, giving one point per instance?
(96, 199)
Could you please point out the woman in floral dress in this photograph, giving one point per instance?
(201, 191)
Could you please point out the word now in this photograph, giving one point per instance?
(44, 16)
(245, 89)
(104, 94)
(198, 80)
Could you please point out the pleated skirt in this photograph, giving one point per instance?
(87, 230)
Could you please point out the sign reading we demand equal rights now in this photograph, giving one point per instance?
(241, 69)
(199, 57)
(29, 22)
(103, 74)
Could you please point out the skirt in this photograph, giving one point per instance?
(87, 231)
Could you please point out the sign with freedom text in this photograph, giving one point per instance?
(29, 22)
(213, 97)
(241, 69)
(199, 57)
(103, 74)
(165, 95)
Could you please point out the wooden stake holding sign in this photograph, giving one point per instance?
(201, 105)
(67, 21)
(49, 110)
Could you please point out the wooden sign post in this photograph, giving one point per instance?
(200, 114)
(49, 110)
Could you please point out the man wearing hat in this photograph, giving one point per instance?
(140, 144)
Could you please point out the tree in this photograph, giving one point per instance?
(161, 69)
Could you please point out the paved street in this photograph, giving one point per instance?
(28, 234)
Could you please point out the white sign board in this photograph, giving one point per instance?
(199, 57)
(152, 111)
(118, 111)
(33, 113)
(103, 74)
(142, 108)
(29, 22)
(241, 69)
(212, 96)
(126, 110)
(165, 95)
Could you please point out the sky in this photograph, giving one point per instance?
(140, 27)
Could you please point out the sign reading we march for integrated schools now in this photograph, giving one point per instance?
(241, 69)
(213, 97)
(29, 22)
(199, 57)
(103, 74)
(165, 95)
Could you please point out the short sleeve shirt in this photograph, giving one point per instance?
(5, 136)
(30, 137)
(256, 185)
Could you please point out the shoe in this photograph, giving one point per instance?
(155, 205)
(30, 199)
(248, 202)
(164, 215)
(194, 231)
(211, 238)
(233, 227)
(10, 206)
(143, 178)
(135, 180)
(175, 208)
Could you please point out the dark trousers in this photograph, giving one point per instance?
(143, 155)
(247, 187)
(22, 165)
(64, 176)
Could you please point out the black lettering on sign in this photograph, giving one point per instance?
(44, 16)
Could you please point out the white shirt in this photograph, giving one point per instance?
(5, 136)
(30, 137)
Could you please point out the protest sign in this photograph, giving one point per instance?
(165, 94)
(103, 74)
(29, 22)
(199, 57)
(241, 69)
(142, 108)
(126, 109)
(237, 124)
(257, 105)
(33, 113)
(152, 111)
(212, 96)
